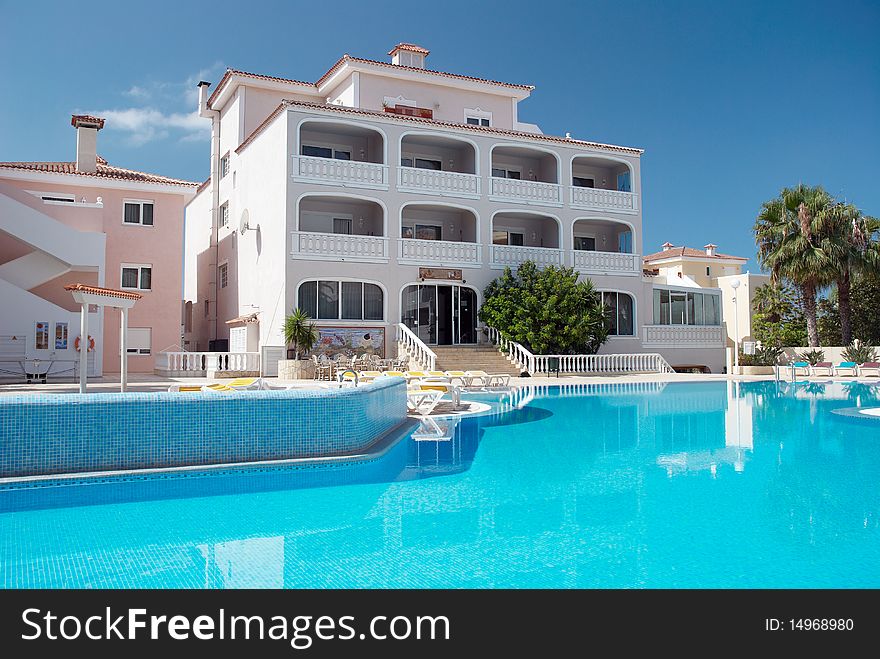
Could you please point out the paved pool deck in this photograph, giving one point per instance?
(148, 382)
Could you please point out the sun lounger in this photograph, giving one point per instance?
(394, 374)
(874, 367)
(827, 367)
(800, 366)
(185, 388)
(423, 401)
(438, 384)
(369, 376)
(461, 376)
(245, 383)
(851, 367)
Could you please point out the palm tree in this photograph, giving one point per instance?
(790, 245)
(772, 300)
(299, 332)
(851, 245)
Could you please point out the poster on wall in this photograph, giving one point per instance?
(350, 340)
(41, 336)
(60, 336)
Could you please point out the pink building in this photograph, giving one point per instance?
(86, 221)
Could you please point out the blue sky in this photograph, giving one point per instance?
(730, 100)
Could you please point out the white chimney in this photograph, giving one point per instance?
(710, 249)
(87, 128)
(667, 246)
(409, 54)
(203, 99)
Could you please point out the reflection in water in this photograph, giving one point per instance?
(726, 484)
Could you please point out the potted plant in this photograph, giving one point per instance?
(762, 362)
(299, 333)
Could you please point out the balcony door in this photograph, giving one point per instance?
(440, 314)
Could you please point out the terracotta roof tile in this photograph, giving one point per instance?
(432, 122)
(204, 184)
(108, 292)
(678, 252)
(257, 76)
(103, 171)
(411, 47)
(87, 118)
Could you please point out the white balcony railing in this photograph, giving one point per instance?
(428, 181)
(529, 192)
(340, 172)
(514, 255)
(313, 245)
(683, 336)
(413, 347)
(438, 252)
(606, 262)
(201, 363)
(597, 198)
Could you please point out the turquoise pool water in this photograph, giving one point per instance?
(678, 485)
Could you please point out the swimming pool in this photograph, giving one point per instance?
(642, 485)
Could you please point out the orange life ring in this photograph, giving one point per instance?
(78, 342)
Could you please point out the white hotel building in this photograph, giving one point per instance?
(388, 193)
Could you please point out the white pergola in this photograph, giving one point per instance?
(85, 296)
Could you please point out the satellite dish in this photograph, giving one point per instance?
(243, 224)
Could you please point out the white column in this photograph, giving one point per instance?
(123, 349)
(83, 347)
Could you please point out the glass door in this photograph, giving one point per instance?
(679, 301)
(440, 314)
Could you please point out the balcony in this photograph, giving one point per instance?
(313, 245)
(515, 255)
(438, 165)
(606, 263)
(683, 336)
(337, 154)
(599, 183)
(339, 228)
(441, 253)
(525, 175)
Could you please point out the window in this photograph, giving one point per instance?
(224, 165)
(507, 238)
(424, 163)
(207, 308)
(406, 162)
(345, 300)
(585, 243)
(224, 275)
(60, 336)
(138, 277)
(342, 225)
(325, 152)
(224, 214)
(624, 184)
(428, 232)
(137, 211)
(625, 242)
(41, 336)
(138, 341)
(686, 308)
(581, 182)
(621, 308)
(477, 117)
(708, 271)
(501, 172)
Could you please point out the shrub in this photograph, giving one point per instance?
(299, 332)
(764, 356)
(859, 352)
(813, 357)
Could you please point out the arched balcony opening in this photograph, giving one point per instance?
(602, 183)
(603, 246)
(438, 165)
(526, 175)
(340, 228)
(521, 236)
(439, 234)
(338, 152)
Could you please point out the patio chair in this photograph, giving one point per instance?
(851, 367)
(323, 369)
(870, 366)
(423, 401)
(800, 366)
(828, 367)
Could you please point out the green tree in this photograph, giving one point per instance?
(865, 296)
(299, 332)
(549, 311)
(778, 319)
(793, 248)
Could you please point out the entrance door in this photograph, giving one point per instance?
(440, 314)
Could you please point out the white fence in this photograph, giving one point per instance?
(516, 255)
(616, 262)
(683, 336)
(590, 198)
(337, 246)
(438, 252)
(452, 184)
(412, 346)
(201, 363)
(528, 191)
(364, 174)
(582, 364)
